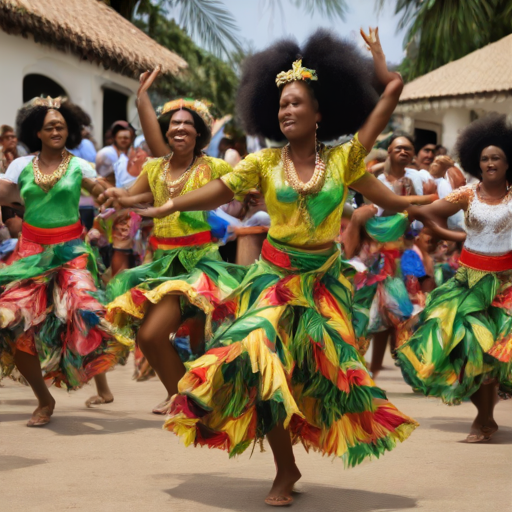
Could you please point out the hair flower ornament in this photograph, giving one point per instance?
(296, 73)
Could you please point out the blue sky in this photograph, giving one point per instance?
(259, 28)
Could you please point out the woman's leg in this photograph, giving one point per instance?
(484, 425)
(287, 471)
(30, 368)
(160, 322)
(379, 341)
(120, 261)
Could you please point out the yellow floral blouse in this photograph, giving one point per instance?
(301, 220)
(205, 169)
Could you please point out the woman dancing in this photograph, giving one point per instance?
(51, 327)
(180, 240)
(462, 345)
(288, 366)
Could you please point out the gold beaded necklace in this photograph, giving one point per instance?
(47, 181)
(176, 186)
(316, 182)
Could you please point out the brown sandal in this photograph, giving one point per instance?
(162, 407)
(485, 435)
(279, 501)
(97, 400)
(41, 418)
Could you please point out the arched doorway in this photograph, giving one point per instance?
(114, 107)
(35, 86)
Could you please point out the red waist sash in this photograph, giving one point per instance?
(50, 236)
(180, 241)
(485, 262)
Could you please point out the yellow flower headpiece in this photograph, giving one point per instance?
(47, 102)
(197, 106)
(296, 73)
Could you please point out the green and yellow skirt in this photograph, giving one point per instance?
(463, 337)
(282, 350)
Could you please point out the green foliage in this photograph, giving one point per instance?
(440, 31)
(207, 77)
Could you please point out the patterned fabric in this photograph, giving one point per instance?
(128, 292)
(282, 349)
(381, 298)
(205, 169)
(46, 309)
(462, 338)
(301, 220)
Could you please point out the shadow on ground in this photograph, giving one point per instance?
(247, 495)
(66, 425)
(8, 462)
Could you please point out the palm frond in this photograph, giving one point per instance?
(211, 23)
(329, 8)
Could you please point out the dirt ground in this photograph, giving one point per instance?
(117, 458)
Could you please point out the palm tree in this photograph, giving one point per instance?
(440, 31)
(209, 20)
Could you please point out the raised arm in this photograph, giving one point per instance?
(147, 115)
(210, 196)
(381, 114)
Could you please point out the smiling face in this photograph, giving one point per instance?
(298, 111)
(401, 151)
(54, 132)
(182, 133)
(494, 165)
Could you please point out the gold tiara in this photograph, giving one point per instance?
(47, 102)
(197, 106)
(296, 73)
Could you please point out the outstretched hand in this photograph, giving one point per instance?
(372, 40)
(155, 212)
(146, 80)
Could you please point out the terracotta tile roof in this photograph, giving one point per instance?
(89, 29)
(487, 70)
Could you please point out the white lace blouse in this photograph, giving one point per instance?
(488, 226)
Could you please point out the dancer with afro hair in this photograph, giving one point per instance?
(51, 327)
(461, 346)
(287, 367)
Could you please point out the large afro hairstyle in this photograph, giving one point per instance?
(30, 120)
(205, 133)
(492, 130)
(347, 89)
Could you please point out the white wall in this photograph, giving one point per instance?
(453, 119)
(82, 80)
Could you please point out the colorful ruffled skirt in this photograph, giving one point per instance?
(382, 300)
(131, 292)
(463, 337)
(283, 350)
(48, 309)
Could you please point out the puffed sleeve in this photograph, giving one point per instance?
(16, 166)
(349, 159)
(461, 196)
(220, 168)
(87, 170)
(245, 176)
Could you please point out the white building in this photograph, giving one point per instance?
(447, 99)
(78, 48)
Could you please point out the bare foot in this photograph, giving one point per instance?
(41, 416)
(162, 407)
(281, 493)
